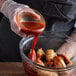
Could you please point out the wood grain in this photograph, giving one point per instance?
(11, 69)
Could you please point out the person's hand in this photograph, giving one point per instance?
(10, 10)
(69, 48)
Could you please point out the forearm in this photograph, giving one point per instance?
(8, 7)
(69, 47)
(1, 3)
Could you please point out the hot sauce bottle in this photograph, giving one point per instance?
(29, 24)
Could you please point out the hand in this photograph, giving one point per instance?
(10, 9)
(69, 48)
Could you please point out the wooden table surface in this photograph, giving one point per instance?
(11, 69)
(15, 69)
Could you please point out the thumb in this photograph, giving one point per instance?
(29, 14)
(34, 15)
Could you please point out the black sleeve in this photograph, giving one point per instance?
(9, 42)
(66, 7)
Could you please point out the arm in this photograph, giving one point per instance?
(11, 8)
(1, 2)
(69, 48)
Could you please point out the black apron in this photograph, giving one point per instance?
(59, 16)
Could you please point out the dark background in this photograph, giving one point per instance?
(1, 15)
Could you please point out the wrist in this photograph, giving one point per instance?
(7, 6)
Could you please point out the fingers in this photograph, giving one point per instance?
(68, 49)
(32, 14)
(17, 17)
(17, 30)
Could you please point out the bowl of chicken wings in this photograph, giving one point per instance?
(45, 60)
